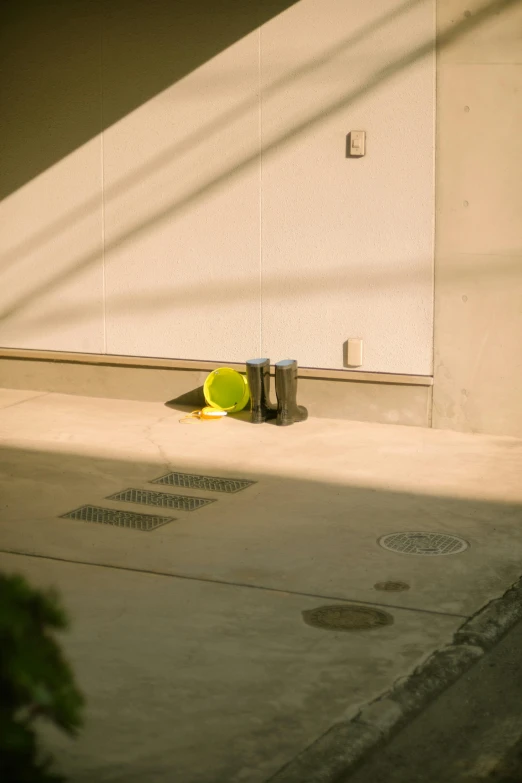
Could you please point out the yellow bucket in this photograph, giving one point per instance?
(226, 390)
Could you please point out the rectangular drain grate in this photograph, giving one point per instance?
(208, 483)
(162, 499)
(111, 516)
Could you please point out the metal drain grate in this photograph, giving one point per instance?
(347, 618)
(111, 516)
(162, 499)
(423, 543)
(207, 483)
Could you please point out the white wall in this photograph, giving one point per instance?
(221, 218)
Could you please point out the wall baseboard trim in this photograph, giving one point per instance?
(113, 360)
(374, 397)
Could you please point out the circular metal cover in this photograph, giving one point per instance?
(423, 543)
(392, 587)
(346, 618)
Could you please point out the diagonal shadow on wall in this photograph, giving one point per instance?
(228, 173)
(59, 59)
(196, 137)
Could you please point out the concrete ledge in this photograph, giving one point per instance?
(375, 397)
(332, 757)
(113, 360)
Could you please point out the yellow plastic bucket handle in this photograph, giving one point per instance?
(206, 414)
(212, 413)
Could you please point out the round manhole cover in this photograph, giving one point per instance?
(392, 587)
(423, 543)
(346, 618)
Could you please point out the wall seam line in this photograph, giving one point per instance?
(435, 195)
(102, 177)
(260, 194)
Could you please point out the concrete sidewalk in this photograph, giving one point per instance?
(189, 640)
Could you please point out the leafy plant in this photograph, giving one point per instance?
(35, 680)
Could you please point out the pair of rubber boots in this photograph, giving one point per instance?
(287, 411)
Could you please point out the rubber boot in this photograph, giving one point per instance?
(258, 377)
(288, 411)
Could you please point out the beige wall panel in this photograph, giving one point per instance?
(480, 159)
(181, 204)
(478, 344)
(478, 272)
(197, 249)
(347, 244)
(51, 265)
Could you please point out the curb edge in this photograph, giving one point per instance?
(346, 744)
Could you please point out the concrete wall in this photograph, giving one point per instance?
(478, 274)
(406, 401)
(175, 180)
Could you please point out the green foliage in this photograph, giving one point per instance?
(35, 680)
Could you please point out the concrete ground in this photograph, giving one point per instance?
(189, 640)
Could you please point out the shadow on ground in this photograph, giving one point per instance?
(191, 637)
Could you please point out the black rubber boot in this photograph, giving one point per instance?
(258, 377)
(288, 411)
